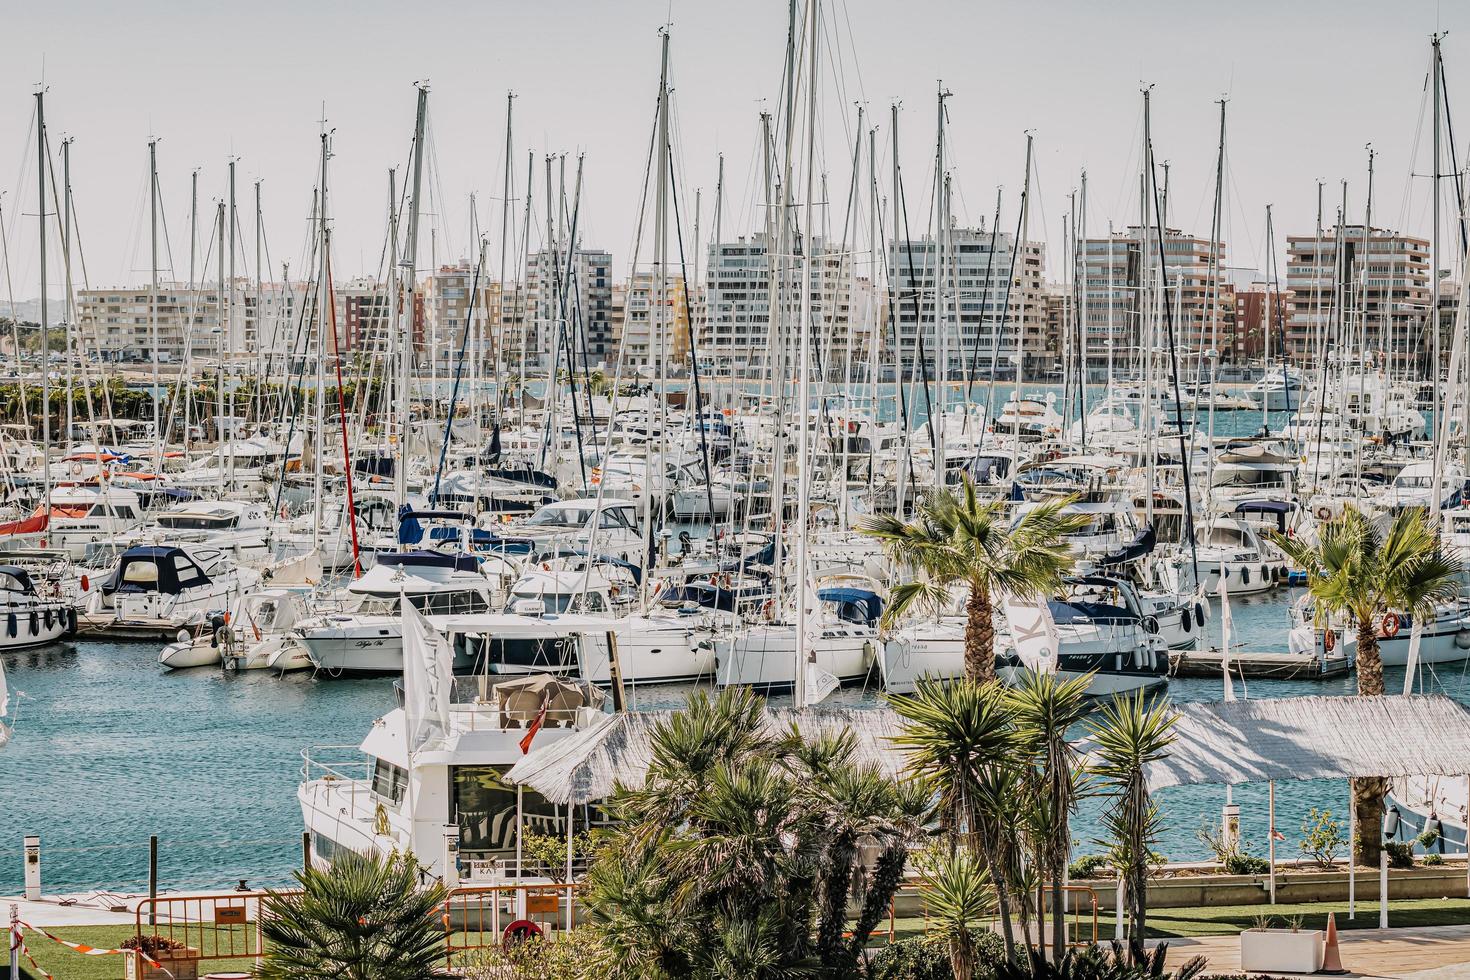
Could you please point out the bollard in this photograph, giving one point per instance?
(1383, 889)
(33, 868)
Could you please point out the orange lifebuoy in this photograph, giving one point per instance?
(1329, 640)
(518, 932)
(1391, 625)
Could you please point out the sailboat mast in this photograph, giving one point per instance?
(804, 380)
(410, 297)
(45, 346)
(67, 304)
(941, 309)
(227, 342)
(504, 249)
(324, 286)
(153, 300)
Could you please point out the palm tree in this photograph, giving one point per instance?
(366, 918)
(1364, 568)
(958, 899)
(960, 740)
(1046, 709)
(956, 539)
(1128, 734)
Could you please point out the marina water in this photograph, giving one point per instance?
(109, 749)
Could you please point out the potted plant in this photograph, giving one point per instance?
(1281, 950)
(175, 960)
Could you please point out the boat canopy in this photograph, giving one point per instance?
(854, 605)
(13, 578)
(458, 561)
(155, 568)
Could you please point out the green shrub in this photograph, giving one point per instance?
(927, 958)
(1400, 854)
(1090, 866)
(1241, 863)
(575, 955)
(1431, 860)
(1322, 837)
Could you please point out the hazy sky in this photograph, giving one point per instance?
(1310, 83)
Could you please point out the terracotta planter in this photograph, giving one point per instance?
(1281, 950)
(173, 964)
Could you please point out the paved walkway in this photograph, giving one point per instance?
(1428, 953)
(90, 909)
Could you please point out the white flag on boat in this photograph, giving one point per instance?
(819, 683)
(427, 678)
(1227, 626)
(1412, 666)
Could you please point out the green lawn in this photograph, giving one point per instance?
(67, 964)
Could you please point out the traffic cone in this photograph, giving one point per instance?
(1331, 957)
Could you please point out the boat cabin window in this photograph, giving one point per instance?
(616, 517)
(1411, 482)
(120, 511)
(372, 605)
(198, 522)
(560, 517)
(389, 781)
(1228, 536)
(485, 809)
(189, 573)
(450, 603)
(143, 573)
(9, 583)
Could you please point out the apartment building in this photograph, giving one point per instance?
(586, 307)
(1373, 281)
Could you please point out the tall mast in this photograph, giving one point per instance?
(227, 341)
(261, 348)
(658, 318)
(324, 286)
(804, 379)
(45, 345)
(504, 249)
(941, 308)
(410, 297)
(894, 206)
(1019, 248)
(153, 299)
(66, 300)
(1433, 316)
(221, 224)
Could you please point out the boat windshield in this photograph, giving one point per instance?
(560, 517)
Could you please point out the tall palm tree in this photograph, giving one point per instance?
(955, 540)
(1126, 735)
(366, 918)
(1363, 568)
(960, 738)
(1046, 710)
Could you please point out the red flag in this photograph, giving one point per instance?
(531, 732)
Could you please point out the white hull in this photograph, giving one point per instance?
(764, 657)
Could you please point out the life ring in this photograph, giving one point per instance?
(1391, 625)
(518, 932)
(1329, 640)
(76, 469)
(1324, 513)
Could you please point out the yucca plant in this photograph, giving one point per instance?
(1363, 568)
(1046, 709)
(365, 918)
(960, 738)
(957, 540)
(1126, 735)
(958, 898)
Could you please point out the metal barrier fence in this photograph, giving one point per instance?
(223, 926)
(478, 917)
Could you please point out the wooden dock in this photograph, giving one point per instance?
(105, 626)
(1257, 664)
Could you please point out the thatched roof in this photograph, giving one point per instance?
(1316, 738)
(583, 767)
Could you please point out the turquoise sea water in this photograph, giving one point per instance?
(109, 749)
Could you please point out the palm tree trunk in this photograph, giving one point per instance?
(1002, 892)
(1368, 792)
(979, 636)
